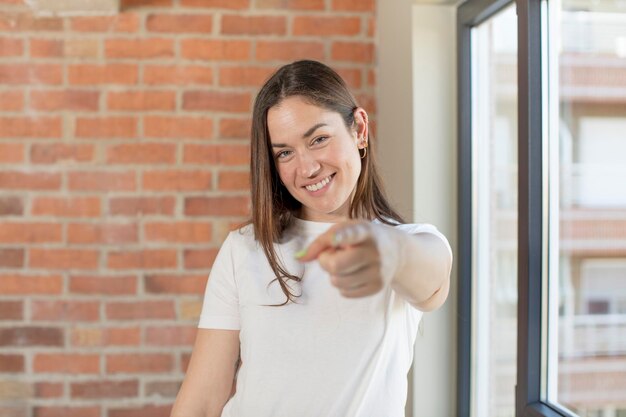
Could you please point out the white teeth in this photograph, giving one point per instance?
(319, 185)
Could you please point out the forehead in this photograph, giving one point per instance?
(293, 116)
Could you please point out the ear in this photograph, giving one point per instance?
(361, 128)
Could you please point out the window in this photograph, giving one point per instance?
(542, 163)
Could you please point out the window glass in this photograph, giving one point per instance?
(587, 366)
(494, 191)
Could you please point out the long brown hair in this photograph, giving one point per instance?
(273, 207)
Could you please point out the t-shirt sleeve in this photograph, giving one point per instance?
(220, 308)
(389, 243)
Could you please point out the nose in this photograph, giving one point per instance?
(308, 165)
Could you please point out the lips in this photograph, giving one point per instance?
(320, 184)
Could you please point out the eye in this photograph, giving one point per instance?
(282, 154)
(319, 140)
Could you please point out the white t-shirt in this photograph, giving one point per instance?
(325, 355)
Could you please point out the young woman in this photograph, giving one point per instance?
(313, 305)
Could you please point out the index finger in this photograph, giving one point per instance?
(341, 236)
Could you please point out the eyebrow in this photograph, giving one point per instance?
(306, 135)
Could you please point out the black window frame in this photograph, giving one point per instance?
(528, 402)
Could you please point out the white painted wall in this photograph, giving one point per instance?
(417, 149)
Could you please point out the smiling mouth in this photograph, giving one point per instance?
(321, 184)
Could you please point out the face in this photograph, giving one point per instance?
(317, 157)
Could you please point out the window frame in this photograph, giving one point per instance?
(531, 194)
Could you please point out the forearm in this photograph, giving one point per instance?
(419, 269)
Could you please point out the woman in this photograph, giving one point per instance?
(321, 294)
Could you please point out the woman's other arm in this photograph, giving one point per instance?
(209, 379)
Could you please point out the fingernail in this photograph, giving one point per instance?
(300, 254)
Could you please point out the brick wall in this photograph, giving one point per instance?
(123, 164)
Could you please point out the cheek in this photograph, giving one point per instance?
(284, 174)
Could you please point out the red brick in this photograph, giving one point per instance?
(54, 310)
(31, 74)
(11, 258)
(142, 153)
(351, 76)
(82, 48)
(31, 336)
(215, 50)
(99, 233)
(140, 310)
(254, 25)
(64, 258)
(362, 52)
(11, 206)
(371, 26)
(63, 411)
(11, 310)
(367, 101)
(244, 76)
(122, 22)
(217, 154)
(143, 411)
(176, 284)
(218, 4)
(48, 389)
(11, 47)
(33, 127)
(31, 284)
(163, 389)
(199, 258)
(110, 336)
(177, 75)
(217, 206)
(141, 100)
(66, 363)
(371, 78)
(289, 50)
(102, 181)
(135, 4)
(122, 336)
(30, 232)
(106, 127)
(11, 153)
(139, 363)
(25, 22)
(13, 180)
(90, 74)
(291, 4)
(46, 48)
(177, 180)
(103, 285)
(234, 180)
(139, 48)
(326, 26)
(143, 259)
(60, 152)
(235, 128)
(217, 101)
(170, 336)
(11, 100)
(354, 5)
(11, 363)
(180, 23)
(66, 206)
(64, 100)
(138, 206)
(178, 127)
(179, 232)
(105, 389)
(184, 361)
(17, 409)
